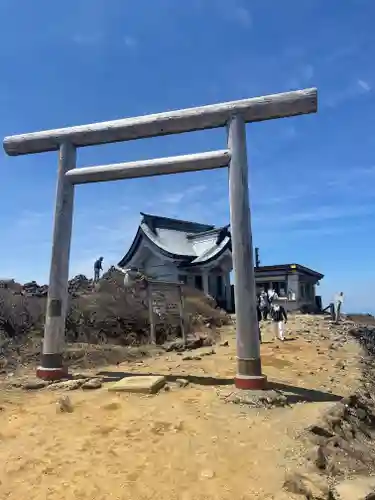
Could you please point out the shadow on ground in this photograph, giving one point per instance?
(302, 395)
(293, 393)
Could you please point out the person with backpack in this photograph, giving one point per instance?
(264, 304)
(272, 295)
(97, 268)
(279, 319)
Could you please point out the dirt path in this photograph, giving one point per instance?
(183, 444)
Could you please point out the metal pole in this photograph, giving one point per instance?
(249, 370)
(54, 331)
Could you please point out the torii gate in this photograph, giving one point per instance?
(234, 115)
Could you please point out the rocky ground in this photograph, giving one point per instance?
(310, 436)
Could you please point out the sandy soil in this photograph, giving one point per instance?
(183, 444)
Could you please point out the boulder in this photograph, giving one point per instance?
(93, 383)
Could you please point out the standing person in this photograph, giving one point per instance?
(97, 268)
(279, 318)
(263, 304)
(339, 299)
(259, 316)
(272, 295)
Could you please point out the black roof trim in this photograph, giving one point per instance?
(159, 222)
(289, 268)
(204, 233)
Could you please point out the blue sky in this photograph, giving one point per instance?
(311, 177)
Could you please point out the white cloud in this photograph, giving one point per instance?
(364, 85)
(173, 198)
(177, 197)
(352, 91)
(317, 214)
(345, 183)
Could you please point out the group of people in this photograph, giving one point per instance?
(265, 301)
(267, 305)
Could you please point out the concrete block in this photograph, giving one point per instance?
(140, 384)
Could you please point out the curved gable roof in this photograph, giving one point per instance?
(177, 240)
(158, 222)
(133, 249)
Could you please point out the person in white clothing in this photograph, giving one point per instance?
(339, 299)
(272, 295)
(264, 304)
(279, 318)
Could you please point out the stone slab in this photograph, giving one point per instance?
(142, 384)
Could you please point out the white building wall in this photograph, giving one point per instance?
(160, 269)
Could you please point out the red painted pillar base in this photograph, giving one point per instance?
(52, 367)
(251, 382)
(51, 373)
(249, 374)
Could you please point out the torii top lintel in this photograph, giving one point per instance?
(298, 102)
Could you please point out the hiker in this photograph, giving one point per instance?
(264, 304)
(272, 295)
(279, 318)
(97, 268)
(339, 299)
